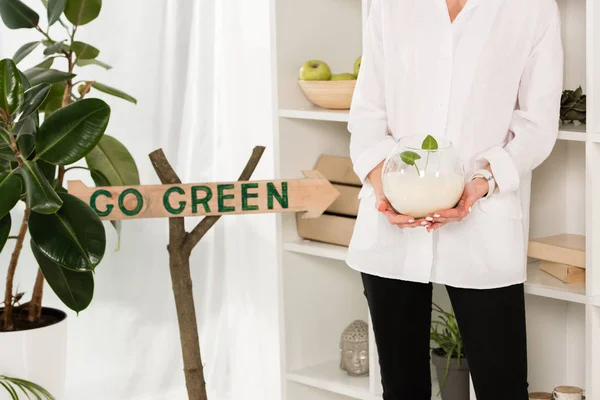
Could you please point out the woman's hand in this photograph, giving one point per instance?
(473, 191)
(401, 221)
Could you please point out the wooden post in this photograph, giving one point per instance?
(181, 244)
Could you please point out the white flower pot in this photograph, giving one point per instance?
(37, 355)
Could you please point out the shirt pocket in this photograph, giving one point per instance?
(505, 205)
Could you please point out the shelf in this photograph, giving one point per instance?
(315, 113)
(542, 284)
(317, 249)
(572, 132)
(538, 282)
(328, 376)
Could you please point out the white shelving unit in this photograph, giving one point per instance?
(320, 295)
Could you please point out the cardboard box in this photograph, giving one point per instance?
(327, 228)
(565, 249)
(338, 170)
(564, 272)
(347, 203)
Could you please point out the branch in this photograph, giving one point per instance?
(168, 176)
(204, 226)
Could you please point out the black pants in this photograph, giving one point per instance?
(491, 322)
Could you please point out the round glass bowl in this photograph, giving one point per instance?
(423, 175)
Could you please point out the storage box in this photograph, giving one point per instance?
(565, 248)
(338, 170)
(347, 202)
(564, 272)
(327, 228)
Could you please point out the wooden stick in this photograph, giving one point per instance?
(180, 247)
(208, 222)
(35, 305)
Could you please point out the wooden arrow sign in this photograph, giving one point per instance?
(312, 195)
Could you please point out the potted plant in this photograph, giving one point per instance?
(46, 130)
(448, 357)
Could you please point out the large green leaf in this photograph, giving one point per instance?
(34, 98)
(24, 81)
(5, 223)
(114, 92)
(11, 87)
(44, 75)
(114, 162)
(41, 197)
(75, 289)
(83, 63)
(48, 170)
(81, 12)
(55, 9)
(100, 180)
(84, 51)
(24, 51)
(25, 126)
(10, 191)
(16, 15)
(26, 144)
(54, 100)
(6, 153)
(74, 237)
(47, 63)
(72, 132)
(54, 48)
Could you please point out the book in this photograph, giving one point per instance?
(564, 248)
(564, 272)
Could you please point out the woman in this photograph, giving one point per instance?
(486, 75)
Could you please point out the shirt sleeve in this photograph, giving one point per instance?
(536, 120)
(370, 141)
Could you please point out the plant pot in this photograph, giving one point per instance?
(456, 386)
(37, 354)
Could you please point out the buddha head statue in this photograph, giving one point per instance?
(354, 349)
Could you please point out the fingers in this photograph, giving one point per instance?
(384, 205)
(434, 226)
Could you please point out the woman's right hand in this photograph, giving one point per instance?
(384, 206)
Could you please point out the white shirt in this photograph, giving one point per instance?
(490, 82)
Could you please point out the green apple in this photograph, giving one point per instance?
(343, 77)
(357, 66)
(315, 70)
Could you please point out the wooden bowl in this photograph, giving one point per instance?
(334, 95)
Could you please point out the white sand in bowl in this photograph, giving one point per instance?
(418, 197)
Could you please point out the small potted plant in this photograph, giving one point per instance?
(448, 357)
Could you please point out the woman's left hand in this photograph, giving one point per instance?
(473, 191)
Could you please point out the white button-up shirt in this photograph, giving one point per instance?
(490, 82)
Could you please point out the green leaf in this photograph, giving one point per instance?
(11, 87)
(43, 75)
(74, 237)
(26, 145)
(55, 9)
(83, 63)
(6, 153)
(26, 386)
(84, 51)
(81, 12)
(17, 15)
(75, 289)
(25, 81)
(578, 92)
(54, 100)
(113, 92)
(48, 170)
(54, 48)
(41, 197)
(24, 51)
(429, 143)
(10, 187)
(47, 63)
(72, 132)
(34, 98)
(101, 180)
(409, 157)
(25, 126)
(5, 223)
(114, 162)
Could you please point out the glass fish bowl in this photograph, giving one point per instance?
(423, 175)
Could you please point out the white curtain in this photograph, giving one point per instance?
(203, 75)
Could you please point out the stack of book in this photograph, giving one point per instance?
(336, 225)
(562, 256)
